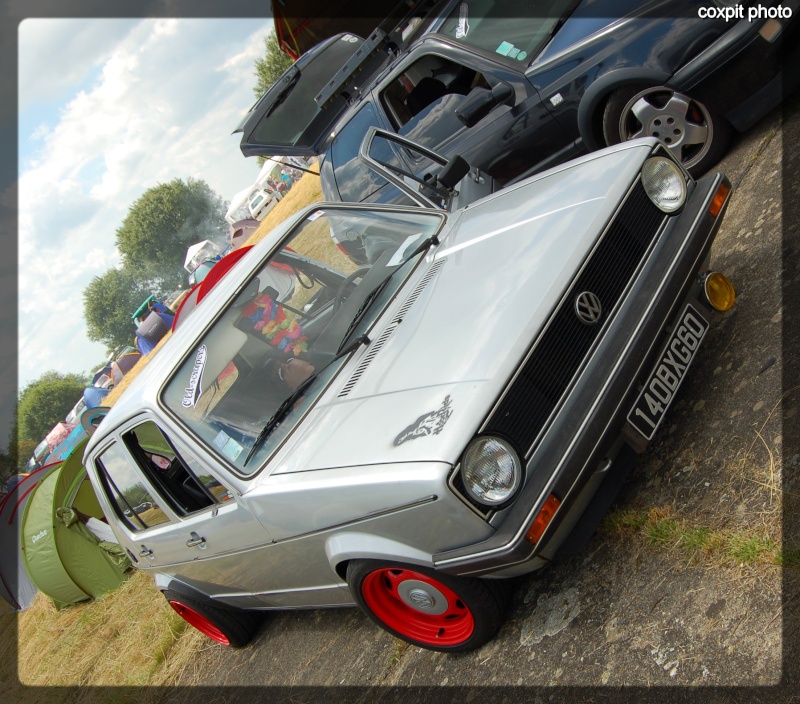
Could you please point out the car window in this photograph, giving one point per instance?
(424, 83)
(132, 500)
(355, 181)
(292, 115)
(494, 26)
(184, 491)
(285, 325)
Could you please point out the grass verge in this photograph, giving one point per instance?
(659, 527)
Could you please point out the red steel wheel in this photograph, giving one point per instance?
(417, 606)
(425, 608)
(223, 624)
(200, 622)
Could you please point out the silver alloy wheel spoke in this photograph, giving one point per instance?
(694, 133)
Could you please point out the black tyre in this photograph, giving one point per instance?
(231, 627)
(695, 134)
(427, 608)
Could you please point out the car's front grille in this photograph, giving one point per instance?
(558, 355)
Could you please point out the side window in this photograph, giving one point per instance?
(134, 504)
(425, 83)
(183, 491)
(354, 179)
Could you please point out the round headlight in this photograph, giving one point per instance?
(491, 471)
(664, 183)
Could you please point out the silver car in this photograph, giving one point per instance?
(407, 433)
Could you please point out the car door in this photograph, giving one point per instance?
(176, 517)
(513, 133)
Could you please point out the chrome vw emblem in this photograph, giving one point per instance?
(421, 599)
(588, 308)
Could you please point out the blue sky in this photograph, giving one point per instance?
(107, 109)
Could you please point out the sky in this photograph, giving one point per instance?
(107, 109)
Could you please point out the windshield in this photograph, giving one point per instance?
(287, 323)
(490, 25)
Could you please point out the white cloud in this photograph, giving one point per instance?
(164, 98)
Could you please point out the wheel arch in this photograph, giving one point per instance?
(593, 100)
(343, 548)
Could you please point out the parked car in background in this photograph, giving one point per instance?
(407, 433)
(516, 97)
(261, 202)
(74, 415)
(38, 457)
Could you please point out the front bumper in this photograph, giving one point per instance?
(593, 416)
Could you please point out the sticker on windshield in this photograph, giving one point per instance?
(195, 388)
(505, 48)
(397, 257)
(463, 25)
(227, 445)
(429, 424)
(316, 215)
(232, 449)
(221, 439)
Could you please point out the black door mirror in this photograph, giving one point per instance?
(481, 101)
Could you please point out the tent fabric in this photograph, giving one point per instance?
(58, 434)
(152, 330)
(93, 396)
(16, 586)
(63, 558)
(122, 365)
(100, 372)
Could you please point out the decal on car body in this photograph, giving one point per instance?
(428, 424)
(194, 389)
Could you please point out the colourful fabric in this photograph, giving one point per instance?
(277, 325)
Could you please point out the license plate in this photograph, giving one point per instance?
(662, 384)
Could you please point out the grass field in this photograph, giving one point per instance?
(129, 636)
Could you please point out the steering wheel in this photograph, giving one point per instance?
(342, 292)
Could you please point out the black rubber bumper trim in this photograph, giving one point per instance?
(593, 416)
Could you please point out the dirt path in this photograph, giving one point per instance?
(641, 607)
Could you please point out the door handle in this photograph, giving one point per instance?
(146, 552)
(196, 540)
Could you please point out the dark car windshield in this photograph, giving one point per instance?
(287, 323)
(491, 25)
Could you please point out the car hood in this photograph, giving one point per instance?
(447, 345)
(591, 17)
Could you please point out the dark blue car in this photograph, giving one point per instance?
(517, 87)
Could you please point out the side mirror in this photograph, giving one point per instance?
(481, 101)
(452, 172)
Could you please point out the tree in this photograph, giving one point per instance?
(162, 223)
(45, 402)
(269, 69)
(108, 303)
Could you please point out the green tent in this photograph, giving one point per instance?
(63, 557)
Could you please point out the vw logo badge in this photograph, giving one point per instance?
(588, 308)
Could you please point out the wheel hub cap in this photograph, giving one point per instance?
(422, 597)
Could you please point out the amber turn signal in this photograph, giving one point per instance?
(719, 199)
(543, 519)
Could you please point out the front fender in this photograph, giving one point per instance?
(343, 547)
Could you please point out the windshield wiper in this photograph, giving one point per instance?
(288, 403)
(423, 246)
